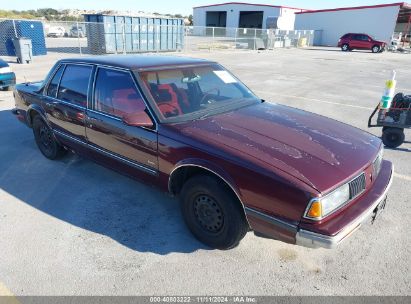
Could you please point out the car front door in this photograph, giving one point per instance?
(355, 42)
(114, 95)
(363, 42)
(66, 100)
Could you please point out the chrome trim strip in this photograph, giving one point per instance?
(70, 137)
(199, 166)
(315, 240)
(272, 220)
(122, 159)
(339, 207)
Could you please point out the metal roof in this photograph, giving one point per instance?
(251, 4)
(401, 4)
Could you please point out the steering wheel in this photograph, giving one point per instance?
(169, 109)
(208, 93)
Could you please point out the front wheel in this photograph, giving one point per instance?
(345, 47)
(375, 49)
(212, 212)
(393, 137)
(45, 139)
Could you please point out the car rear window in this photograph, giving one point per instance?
(74, 84)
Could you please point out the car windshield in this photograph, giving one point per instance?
(187, 93)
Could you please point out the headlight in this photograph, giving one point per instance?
(5, 70)
(322, 206)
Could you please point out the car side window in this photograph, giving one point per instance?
(54, 83)
(116, 94)
(74, 84)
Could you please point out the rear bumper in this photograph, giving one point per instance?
(7, 79)
(373, 198)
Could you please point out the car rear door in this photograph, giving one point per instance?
(66, 100)
(114, 95)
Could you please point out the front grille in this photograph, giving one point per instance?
(357, 185)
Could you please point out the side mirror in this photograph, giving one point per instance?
(138, 119)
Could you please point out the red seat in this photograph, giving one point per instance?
(170, 105)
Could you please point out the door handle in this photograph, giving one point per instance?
(91, 121)
(51, 104)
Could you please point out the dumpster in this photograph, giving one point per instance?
(132, 34)
(23, 49)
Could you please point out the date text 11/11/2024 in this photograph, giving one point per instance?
(203, 299)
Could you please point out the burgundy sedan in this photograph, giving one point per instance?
(236, 162)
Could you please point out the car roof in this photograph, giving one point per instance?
(141, 61)
(355, 34)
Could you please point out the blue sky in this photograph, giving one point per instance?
(170, 6)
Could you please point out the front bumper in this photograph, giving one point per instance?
(311, 239)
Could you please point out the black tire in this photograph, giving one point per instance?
(393, 137)
(45, 140)
(212, 212)
(345, 47)
(9, 88)
(375, 49)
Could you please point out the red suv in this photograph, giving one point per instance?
(351, 41)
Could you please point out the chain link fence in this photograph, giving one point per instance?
(98, 38)
(218, 38)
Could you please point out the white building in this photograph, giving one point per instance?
(380, 21)
(243, 15)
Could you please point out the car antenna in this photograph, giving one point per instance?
(25, 81)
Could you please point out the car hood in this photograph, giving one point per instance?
(317, 150)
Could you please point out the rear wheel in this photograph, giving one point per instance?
(375, 49)
(45, 139)
(393, 137)
(212, 212)
(345, 47)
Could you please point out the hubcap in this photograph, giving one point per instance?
(393, 137)
(46, 139)
(208, 213)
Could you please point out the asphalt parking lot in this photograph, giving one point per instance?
(71, 227)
